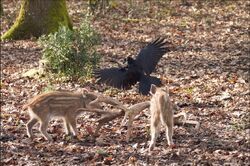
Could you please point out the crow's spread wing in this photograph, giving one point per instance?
(145, 83)
(149, 56)
(120, 78)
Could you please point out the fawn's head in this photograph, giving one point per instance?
(159, 90)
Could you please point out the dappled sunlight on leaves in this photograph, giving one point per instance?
(207, 72)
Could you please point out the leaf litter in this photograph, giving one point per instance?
(207, 73)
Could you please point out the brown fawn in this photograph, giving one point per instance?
(161, 110)
(44, 107)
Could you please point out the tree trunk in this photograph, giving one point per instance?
(1, 9)
(37, 17)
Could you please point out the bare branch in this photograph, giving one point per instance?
(98, 111)
(108, 100)
(134, 110)
(179, 119)
(108, 118)
(130, 113)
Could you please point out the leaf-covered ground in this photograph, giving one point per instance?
(207, 72)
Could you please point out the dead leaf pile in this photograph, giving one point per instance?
(207, 71)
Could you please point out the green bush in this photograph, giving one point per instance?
(71, 53)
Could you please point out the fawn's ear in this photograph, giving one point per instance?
(85, 90)
(152, 89)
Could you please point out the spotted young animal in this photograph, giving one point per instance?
(44, 107)
(161, 110)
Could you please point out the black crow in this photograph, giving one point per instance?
(137, 70)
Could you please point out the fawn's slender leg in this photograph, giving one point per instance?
(29, 126)
(154, 129)
(43, 130)
(67, 127)
(72, 123)
(169, 131)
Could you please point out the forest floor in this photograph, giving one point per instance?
(207, 74)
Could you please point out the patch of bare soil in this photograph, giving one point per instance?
(207, 72)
